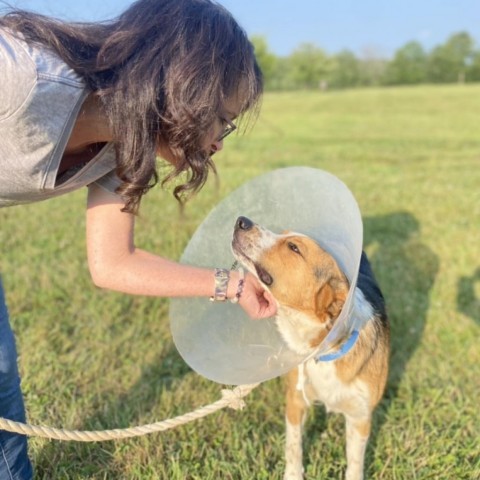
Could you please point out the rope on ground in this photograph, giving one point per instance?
(230, 398)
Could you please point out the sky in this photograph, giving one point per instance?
(365, 27)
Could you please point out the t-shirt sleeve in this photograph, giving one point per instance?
(109, 182)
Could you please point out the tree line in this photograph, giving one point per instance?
(310, 67)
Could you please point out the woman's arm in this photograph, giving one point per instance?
(116, 263)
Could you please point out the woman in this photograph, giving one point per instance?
(93, 105)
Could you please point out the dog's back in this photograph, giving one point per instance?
(367, 283)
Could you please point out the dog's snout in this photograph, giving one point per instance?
(244, 223)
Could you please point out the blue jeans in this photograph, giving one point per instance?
(14, 462)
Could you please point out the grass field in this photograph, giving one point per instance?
(94, 360)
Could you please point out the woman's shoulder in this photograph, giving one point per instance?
(19, 74)
(23, 66)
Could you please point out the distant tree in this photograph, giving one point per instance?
(409, 65)
(345, 70)
(266, 60)
(449, 62)
(473, 69)
(309, 66)
(283, 78)
(372, 68)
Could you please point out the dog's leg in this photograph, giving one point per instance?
(294, 419)
(358, 431)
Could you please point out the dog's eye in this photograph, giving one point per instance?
(293, 247)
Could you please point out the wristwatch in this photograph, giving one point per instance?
(222, 277)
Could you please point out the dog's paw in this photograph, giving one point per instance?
(354, 473)
(293, 473)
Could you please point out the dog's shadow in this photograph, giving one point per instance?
(468, 300)
(405, 269)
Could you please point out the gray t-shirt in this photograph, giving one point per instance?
(40, 97)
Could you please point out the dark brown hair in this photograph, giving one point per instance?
(163, 70)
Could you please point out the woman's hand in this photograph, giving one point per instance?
(257, 302)
(117, 264)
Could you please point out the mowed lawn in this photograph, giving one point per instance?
(94, 360)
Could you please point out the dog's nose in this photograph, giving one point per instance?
(244, 223)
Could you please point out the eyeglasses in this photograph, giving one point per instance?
(229, 128)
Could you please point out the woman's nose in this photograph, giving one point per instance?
(216, 146)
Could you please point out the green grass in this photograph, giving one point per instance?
(92, 359)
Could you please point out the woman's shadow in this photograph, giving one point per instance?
(405, 269)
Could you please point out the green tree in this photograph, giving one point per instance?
(309, 66)
(266, 60)
(409, 65)
(372, 67)
(473, 69)
(449, 62)
(283, 79)
(345, 71)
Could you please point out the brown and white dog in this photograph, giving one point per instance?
(310, 290)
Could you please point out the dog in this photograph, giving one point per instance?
(310, 290)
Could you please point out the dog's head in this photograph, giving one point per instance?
(294, 268)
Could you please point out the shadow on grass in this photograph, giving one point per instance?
(405, 269)
(468, 302)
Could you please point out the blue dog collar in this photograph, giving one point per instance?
(343, 350)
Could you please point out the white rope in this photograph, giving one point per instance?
(230, 398)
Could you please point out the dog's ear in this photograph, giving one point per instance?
(329, 300)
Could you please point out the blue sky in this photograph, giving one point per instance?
(363, 26)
